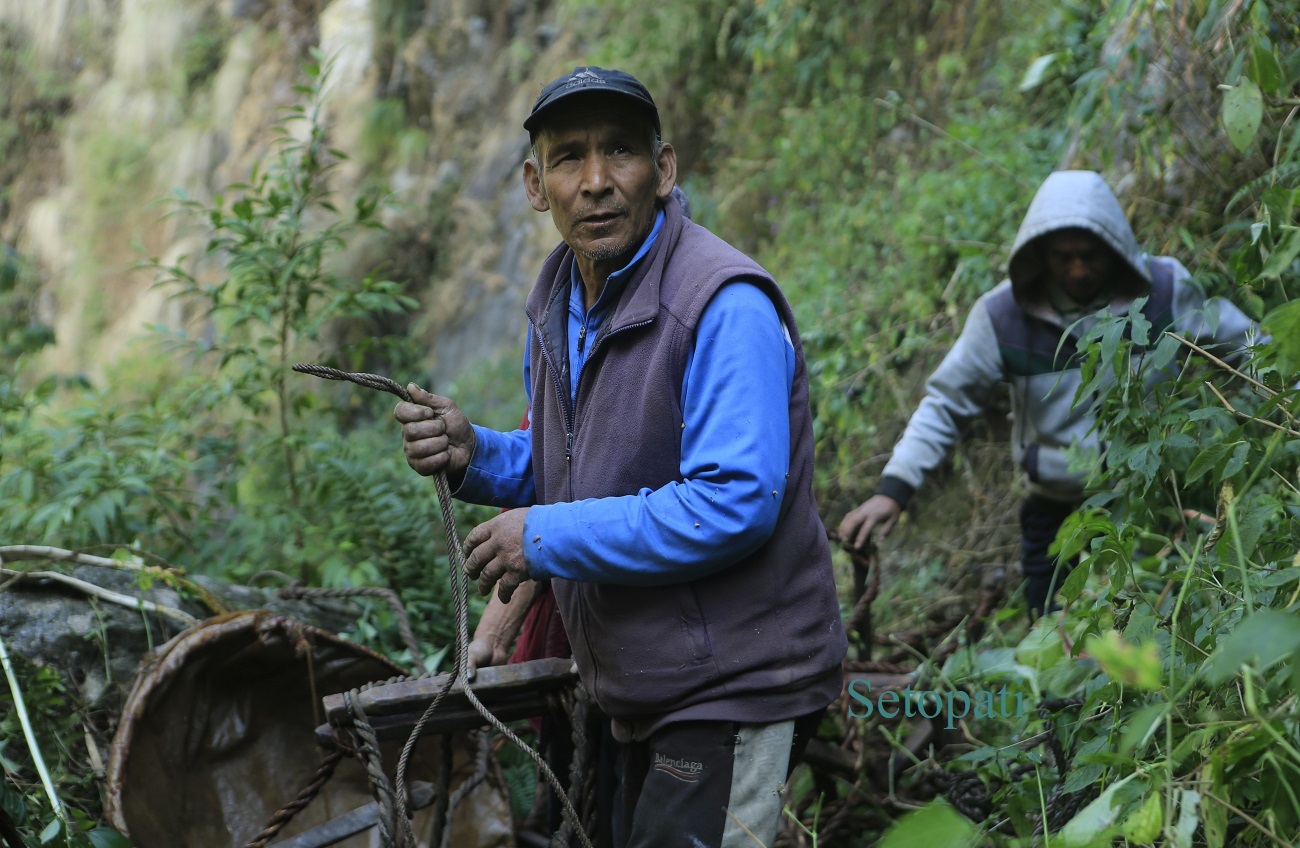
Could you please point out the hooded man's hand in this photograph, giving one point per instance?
(877, 511)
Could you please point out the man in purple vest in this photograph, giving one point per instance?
(665, 485)
(1074, 258)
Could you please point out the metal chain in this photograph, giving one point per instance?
(460, 591)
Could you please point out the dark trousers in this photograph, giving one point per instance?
(1040, 519)
(679, 784)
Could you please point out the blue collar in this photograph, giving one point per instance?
(617, 281)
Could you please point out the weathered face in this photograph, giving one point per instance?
(599, 176)
(1079, 263)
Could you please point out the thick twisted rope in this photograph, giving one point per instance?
(460, 591)
(282, 817)
(368, 749)
(578, 763)
(469, 785)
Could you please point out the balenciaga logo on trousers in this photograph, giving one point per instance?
(687, 771)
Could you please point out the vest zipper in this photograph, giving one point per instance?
(560, 395)
(582, 337)
(601, 338)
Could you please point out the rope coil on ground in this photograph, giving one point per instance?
(968, 794)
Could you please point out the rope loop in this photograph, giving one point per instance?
(460, 593)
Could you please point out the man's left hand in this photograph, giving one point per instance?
(494, 553)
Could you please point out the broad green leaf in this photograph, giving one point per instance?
(1284, 253)
(11, 801)
(1236, 460)
(1041, 646)
(936, 825)
(1037, 68)
(1140, 326)
(51, 831)
(1140, 726)
(1261, 640)
(107, 837)
(1082, 776)
(1193, 743)
(1264, 69)
(1284, 324)
(1075, 582)
(1134, 665)
(1143, 824)
(1110, 339)
(1242, 536)
(1207, 460)
(1281, 577)
(1216, 821)
(1243, 109)
(1095, 825)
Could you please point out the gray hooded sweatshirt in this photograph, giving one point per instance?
(1014, 333)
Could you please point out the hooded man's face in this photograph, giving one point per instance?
(1079, 263)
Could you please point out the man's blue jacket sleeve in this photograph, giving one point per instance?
(735, 455)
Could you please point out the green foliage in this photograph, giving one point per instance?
(386, 138)
(33, 101)
(275, 237)
(238, 466)
(936, 824)
(1183, 630)
(519, 774)
(1188, 717)
(205, 50)
(877, 158)
(99, 472)
(878, 170)
(60, 723)
(116, 169)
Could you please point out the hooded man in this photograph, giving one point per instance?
(1074, 257)
(665, 484)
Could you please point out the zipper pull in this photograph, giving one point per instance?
(582, 337)
(568, 447)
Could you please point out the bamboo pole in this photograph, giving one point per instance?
(21, 709)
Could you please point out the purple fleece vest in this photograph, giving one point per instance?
(759, 641)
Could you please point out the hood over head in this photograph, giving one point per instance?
(1068, 200)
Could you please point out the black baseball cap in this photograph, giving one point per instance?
(590, 80)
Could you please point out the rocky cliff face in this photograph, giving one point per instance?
(113, 104)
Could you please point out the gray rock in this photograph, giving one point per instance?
(97, 645)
